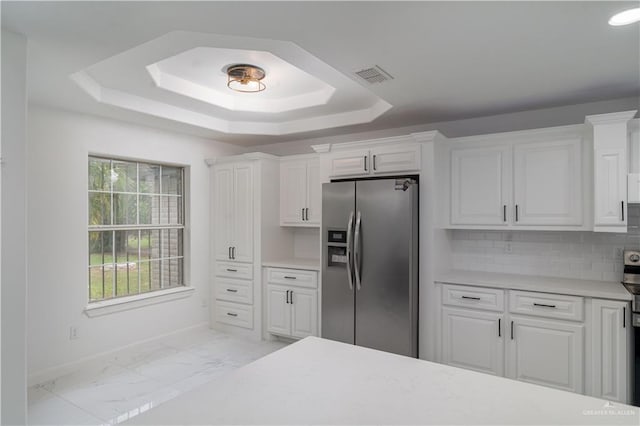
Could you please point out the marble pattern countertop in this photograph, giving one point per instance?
(586, 288)
(318, 381)
(294, 263)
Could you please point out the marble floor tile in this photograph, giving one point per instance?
(45, 408)
(115, 388)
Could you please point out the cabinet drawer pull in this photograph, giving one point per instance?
(511, 330)
(365, 163)
(622, 211)
(302, 213)
(624, 317)
(499, 327)
(231, 270)
(543, 305)
(290, 278)
(232, 290)
(306, 213)
(231, 314)
(374, 163)
(229, 252)
(516, 212)
(504, 213)
(470, 298)
(233, 253)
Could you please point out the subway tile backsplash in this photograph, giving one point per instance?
(581, 255)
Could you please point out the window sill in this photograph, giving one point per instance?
(107, 307)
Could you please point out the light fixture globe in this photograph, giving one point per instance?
(245, 78)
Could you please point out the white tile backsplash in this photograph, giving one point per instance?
(306, 243)
(581, 255)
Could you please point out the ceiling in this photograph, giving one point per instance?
(449, 60)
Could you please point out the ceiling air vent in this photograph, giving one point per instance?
(374, 74)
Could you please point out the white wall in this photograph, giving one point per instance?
(58, 146)
(13, 266)
(306, 243)
(547, 117)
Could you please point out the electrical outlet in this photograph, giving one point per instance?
(619, 252)
(73, 332)
(508, 248)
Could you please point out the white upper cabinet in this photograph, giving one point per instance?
(300, 192)
(611, 165)
(480, 185)
(379, 159)
(233, 211)
(530, 181)
(393, 159)
(548, 183)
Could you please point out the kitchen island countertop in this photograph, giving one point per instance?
(318, 381)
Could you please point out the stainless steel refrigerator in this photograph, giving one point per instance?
(370, 263)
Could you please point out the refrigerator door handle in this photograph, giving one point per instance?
(357, 258)
(349, 238)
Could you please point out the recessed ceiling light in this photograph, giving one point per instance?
(625, 18)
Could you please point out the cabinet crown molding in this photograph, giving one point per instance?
(421, 137)
(610, 118)
(551, 133)
(249, 156)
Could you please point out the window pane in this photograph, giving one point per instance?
(126, 245)
(171, 272)
(144, 209)
(144, 269)
(122, 279)
(108, 281)
(155, 251)
(95, 283)
(124, 209)
(100, 247)
(99, 209)
(171, 180)
(99, 174)
(124, 176)
(154, 275)
(175, 246)
(149, 178)
(171, 210)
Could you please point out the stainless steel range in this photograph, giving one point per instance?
(631, 281)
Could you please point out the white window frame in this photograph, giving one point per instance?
(114, 303)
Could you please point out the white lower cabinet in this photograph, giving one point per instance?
(546, 352)
(292, 310)
(610, 340)
(473, 339)
(539, 338)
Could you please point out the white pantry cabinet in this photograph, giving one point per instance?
(610, 339)
(233, 211)
(300, 192)
(540, 338)
(517, 185)
(611, 165)
(292, 309)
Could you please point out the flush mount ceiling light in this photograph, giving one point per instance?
(625, 18)
(245, 78)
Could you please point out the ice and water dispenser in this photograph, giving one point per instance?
(336, 247)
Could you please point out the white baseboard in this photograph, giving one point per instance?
(62, 369)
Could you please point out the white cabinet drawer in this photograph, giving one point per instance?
(489, 299)
(234, 270)
(234, 314)
(231, 290)
(295, 277)
(546, 305)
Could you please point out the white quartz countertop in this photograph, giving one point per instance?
(294, 263)
(602, 289)
(317, 381)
